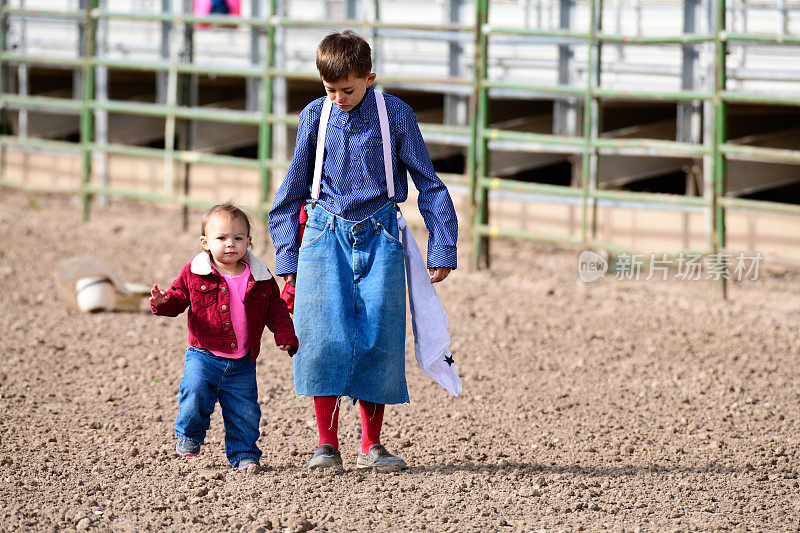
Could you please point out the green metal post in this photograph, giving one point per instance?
(591, 125)
(720, 135)
(265, 126)
(594, 158)
(479, 152)
(377, 54)
(185, 97)
(172, 101)
(87, 111)
(472, 146)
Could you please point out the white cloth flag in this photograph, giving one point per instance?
(428, 318)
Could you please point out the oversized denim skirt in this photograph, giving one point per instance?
(350, 308)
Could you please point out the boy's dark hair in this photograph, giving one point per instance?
(341, 54)
(226, 209)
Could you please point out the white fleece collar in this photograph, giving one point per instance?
(201, 265)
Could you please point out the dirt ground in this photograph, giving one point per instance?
(619, 405)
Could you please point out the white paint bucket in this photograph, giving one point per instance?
(94, 294)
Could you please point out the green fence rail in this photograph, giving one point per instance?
(475, 137)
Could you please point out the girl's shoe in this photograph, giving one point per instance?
(246, 463)
(380, 459)
(326, 457)
(187, 447)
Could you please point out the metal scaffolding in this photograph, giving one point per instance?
(468, 93)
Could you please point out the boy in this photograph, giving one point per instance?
(348, 271)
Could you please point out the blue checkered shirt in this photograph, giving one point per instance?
(353, 178)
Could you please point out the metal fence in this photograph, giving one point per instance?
(178, 111)
(712, 147)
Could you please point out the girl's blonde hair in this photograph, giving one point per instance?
(229, 210)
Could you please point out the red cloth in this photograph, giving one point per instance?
(303, 217)
(210, 325)
(288, 289)
(287, 295)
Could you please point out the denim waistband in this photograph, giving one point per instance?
(209, 353)
(320, 218)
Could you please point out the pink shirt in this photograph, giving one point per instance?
(237, 285)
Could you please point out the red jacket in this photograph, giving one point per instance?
(205, 292)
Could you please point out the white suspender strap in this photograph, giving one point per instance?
(386, 141)
(323, 126)
(383, 117)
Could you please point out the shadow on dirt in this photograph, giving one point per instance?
(594, 471)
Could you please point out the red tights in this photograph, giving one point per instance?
(327, 411)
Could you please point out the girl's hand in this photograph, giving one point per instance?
(290, 278)
(287, 348)
(157, 296)
(438, 274)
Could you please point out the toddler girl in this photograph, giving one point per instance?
(231, 296)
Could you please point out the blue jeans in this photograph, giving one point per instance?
(350, 308)
(219, 7)
(208, 379)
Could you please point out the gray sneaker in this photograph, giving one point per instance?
(326, 457)
(380, 459)
(247, 462)
(187, 447)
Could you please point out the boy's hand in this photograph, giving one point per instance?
(157, 296)
(290, 278)
(288, 348)
(438, 274)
